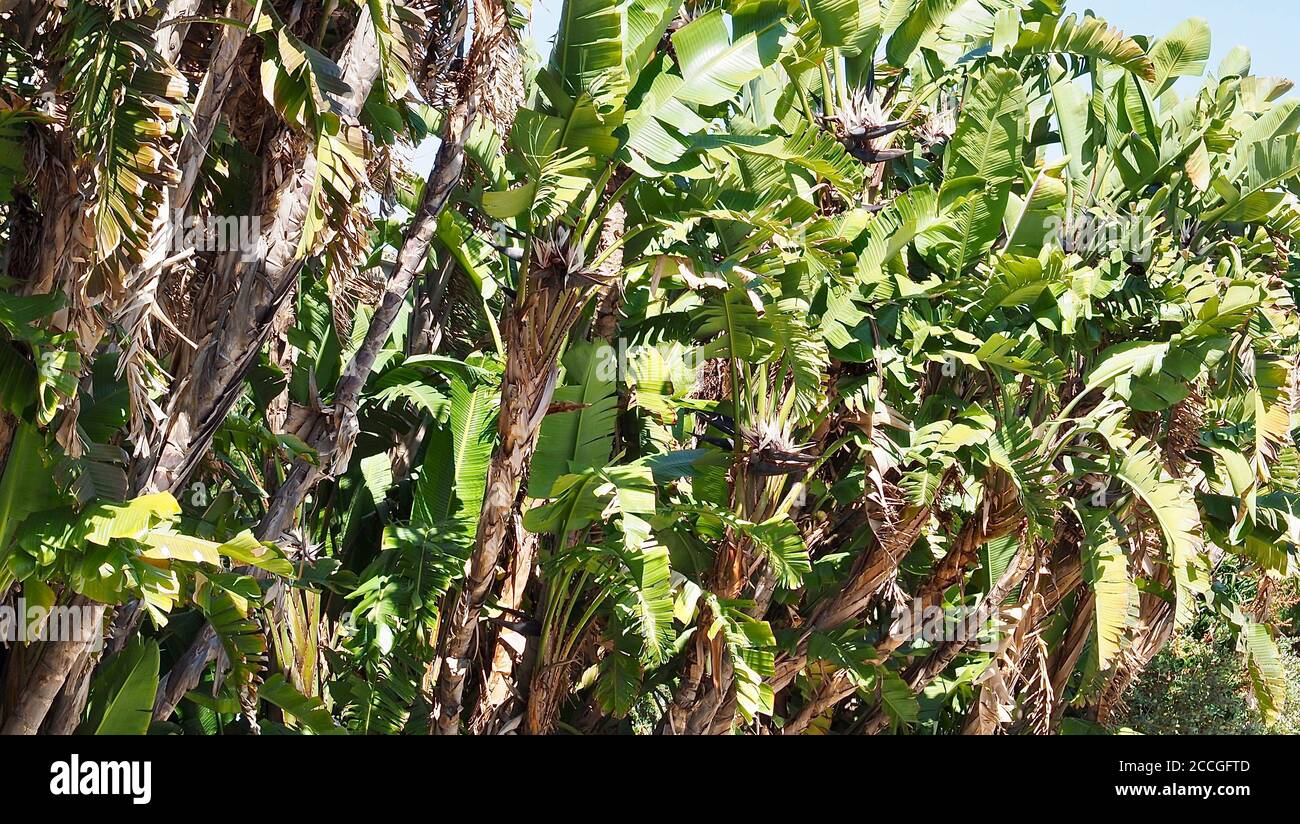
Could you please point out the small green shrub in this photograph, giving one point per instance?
(1198, 685)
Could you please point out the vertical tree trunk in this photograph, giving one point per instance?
(548, 684)
(56, 662)
(65, 715)
(185, 673)
(526, 390)
(534, 332)
(203, 395)
(333, 439)
(140, 307)
(708, 686)
(507, 671)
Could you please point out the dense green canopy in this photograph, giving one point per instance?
(753, 366)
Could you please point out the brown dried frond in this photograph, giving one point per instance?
(1154, 627)
(996, 703)
(503, 81)
(712, 380)
(1261, 607)
(248, 116)
(1040, 698)
(439, 75)
(351, 285)
(1147, 542)
(1127, 667)
(1186, 419)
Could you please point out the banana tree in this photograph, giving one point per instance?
(767, 367)
(563, 151)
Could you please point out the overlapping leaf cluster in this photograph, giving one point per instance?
(826, 366)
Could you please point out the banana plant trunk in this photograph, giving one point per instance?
(526, 390)
(333, 439)
(705, 700)
(511, 650)
(56, 663)
(203, 394)
(921, 674)
(534, 332)
(512, 656)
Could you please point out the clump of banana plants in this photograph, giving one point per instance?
(754, 368)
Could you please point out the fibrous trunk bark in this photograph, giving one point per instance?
(205, 393)
(498, 703)
(333, 436)
(526, 389)
(170, 38)
(921, 674)
(140, 306)
(707, 689)
(512, 653)
(57, 660)
(873, 569)
(998, 515)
